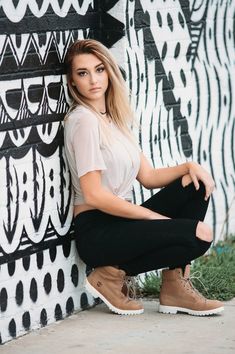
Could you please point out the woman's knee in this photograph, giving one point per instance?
(204, 232)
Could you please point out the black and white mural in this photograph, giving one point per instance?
(180, 64)
(178, 58)
(41, 277)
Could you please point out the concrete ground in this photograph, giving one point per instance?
(98, 331)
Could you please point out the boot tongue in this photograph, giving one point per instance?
(187, 272)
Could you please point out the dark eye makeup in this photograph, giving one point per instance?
(99, 69)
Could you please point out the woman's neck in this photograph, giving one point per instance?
(100, 106)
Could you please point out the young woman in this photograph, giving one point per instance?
(113, 235)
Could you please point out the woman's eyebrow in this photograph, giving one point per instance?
(86, 68)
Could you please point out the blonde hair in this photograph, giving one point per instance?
(116, 96)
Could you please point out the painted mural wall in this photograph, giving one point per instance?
(41, 276)
(178, 60)
(180, 64)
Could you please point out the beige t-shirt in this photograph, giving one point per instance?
(119, 162)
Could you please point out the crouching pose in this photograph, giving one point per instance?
(113, 235)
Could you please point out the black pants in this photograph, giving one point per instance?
(138, 246)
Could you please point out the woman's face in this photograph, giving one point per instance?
(90, 78)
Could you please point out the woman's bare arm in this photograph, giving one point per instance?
(98, 197)
(151, 177)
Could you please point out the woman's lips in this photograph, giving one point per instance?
(95, 89)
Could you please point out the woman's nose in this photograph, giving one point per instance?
(93, 78)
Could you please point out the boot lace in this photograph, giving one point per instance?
(132, 286)
(196, 275)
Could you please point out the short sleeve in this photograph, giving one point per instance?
(86, 145)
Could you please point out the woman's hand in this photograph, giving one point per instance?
(156, 216)
(198, 173)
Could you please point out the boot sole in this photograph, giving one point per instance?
(96, 294)
(173, 310)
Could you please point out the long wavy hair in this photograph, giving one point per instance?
(116, 96)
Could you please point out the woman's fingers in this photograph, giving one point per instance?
(197, 174)
(195, 181)
(208, 193)
(209, 189)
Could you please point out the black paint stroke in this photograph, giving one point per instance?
(223, 157)
(215, 35)
(209, 96)
(10, 228)
(63, 207)
(224, 32)
(219, 95)
(38, 210)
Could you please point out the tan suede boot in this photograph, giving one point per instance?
(106, 283)
(178, 294)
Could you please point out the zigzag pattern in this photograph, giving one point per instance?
(15, 13)
(55, 43)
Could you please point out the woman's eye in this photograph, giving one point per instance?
(100, 69)
(81, 73)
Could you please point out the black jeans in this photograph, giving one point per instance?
(138, 246)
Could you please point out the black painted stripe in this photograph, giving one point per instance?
(199, 148)
(224, 31)
(134, 196)
(127, 33)
(234, 29)
(129, 72)
(233, 144)
(159, 136)
(209, 94)
(230, 93)
(223, 152)
(147, 81)
(210, 153)
(214, 219)
(219, 95)
(21, 73)
(168, 134)
(138, 80)
(198, 95)
(34, 248)
(151, 139)
(33, 120)
(226, 206)
(215, 36)
(140, 134)
(205, 45)
(141, 145)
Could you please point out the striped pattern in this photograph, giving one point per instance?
(180, 64)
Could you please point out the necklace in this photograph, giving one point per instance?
(106, 117)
